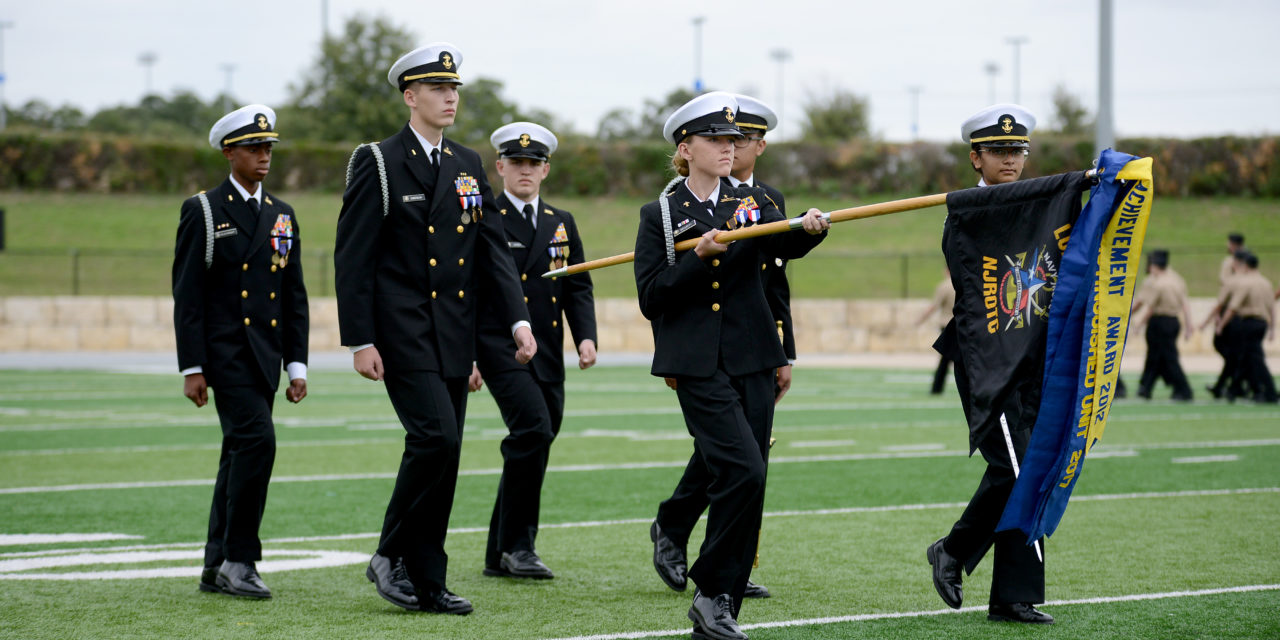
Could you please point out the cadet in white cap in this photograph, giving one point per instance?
(419, 244)
(714, 336)
(678, 514)
(239, 313)
(531, 396)
(1000, 141)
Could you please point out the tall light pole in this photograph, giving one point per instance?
(226, 93)
(1104, 129)
(1017, 43)
(915, 112)
(324, 19)
(781, 56)
(147, 59)
(992, 70)
(697, 53)
(4, 111)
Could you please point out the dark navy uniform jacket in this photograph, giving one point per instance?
(711, 313)
(409, 282)
(551, 302)
(243, 317)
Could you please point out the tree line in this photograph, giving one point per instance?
(331, 104)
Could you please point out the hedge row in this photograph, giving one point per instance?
(87, 162)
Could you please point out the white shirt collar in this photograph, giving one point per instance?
(982, 182)
(750, 181)
(426, 146)
(244, 193)
(519, 204)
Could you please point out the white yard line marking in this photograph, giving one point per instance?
(864, 617)
(646, 520)
(1196, 459)
(23, 568)
(815, 444)
(927, 446)
(1102, 452)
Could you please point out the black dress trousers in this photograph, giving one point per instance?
(1017, 573)
(532, 410)
(1162, 357)
(727, 416)
(431, 409)
(244, 471)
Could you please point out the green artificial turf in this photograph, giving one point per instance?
(868, 470)
(125, 243)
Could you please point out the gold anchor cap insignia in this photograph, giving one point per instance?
(1006, 124)
(262, 121)
(524, 139)
(446, 60)
(728, 114)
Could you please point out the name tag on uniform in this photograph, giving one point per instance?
(684, 226)
(415, 197)
(512, 244)
(224, 233)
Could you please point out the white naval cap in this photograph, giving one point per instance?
(435, 62)
(999, 125)
(710, 114)
(250, 124)
(754, 114)
(524, 140)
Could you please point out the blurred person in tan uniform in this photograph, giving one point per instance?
(1235, 242)
(1251, 308)
(1161, 305)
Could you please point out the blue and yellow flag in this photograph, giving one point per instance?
(1088, 323)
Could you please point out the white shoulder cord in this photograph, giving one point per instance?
(666, 219)
(208, 229)
(382, 172)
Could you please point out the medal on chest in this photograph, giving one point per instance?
(469, 198)
(281, 240)
(559, 248)
(747, 212)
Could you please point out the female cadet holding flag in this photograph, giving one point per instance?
(715, 335)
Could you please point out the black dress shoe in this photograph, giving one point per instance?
(756, 591)
(241, 579)
(669, 559)
(1214, 391)
(525, 564)
(443, 601)
(209, 580)
(698, 634)
(946, 574)
(1018, 612)
(715, 617)
(391, 579)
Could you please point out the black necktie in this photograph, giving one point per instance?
(435, 158)
(528, 215)
(253, 206)
(711, 207)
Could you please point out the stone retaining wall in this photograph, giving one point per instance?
(134, 323)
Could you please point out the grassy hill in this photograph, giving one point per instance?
(125, 243)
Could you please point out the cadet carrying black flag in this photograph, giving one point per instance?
(1003, 248)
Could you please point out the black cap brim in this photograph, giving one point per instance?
(523, 154)
(1003, 144)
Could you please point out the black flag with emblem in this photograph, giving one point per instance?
(1003, 245)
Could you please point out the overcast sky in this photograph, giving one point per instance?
(1183, 67)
